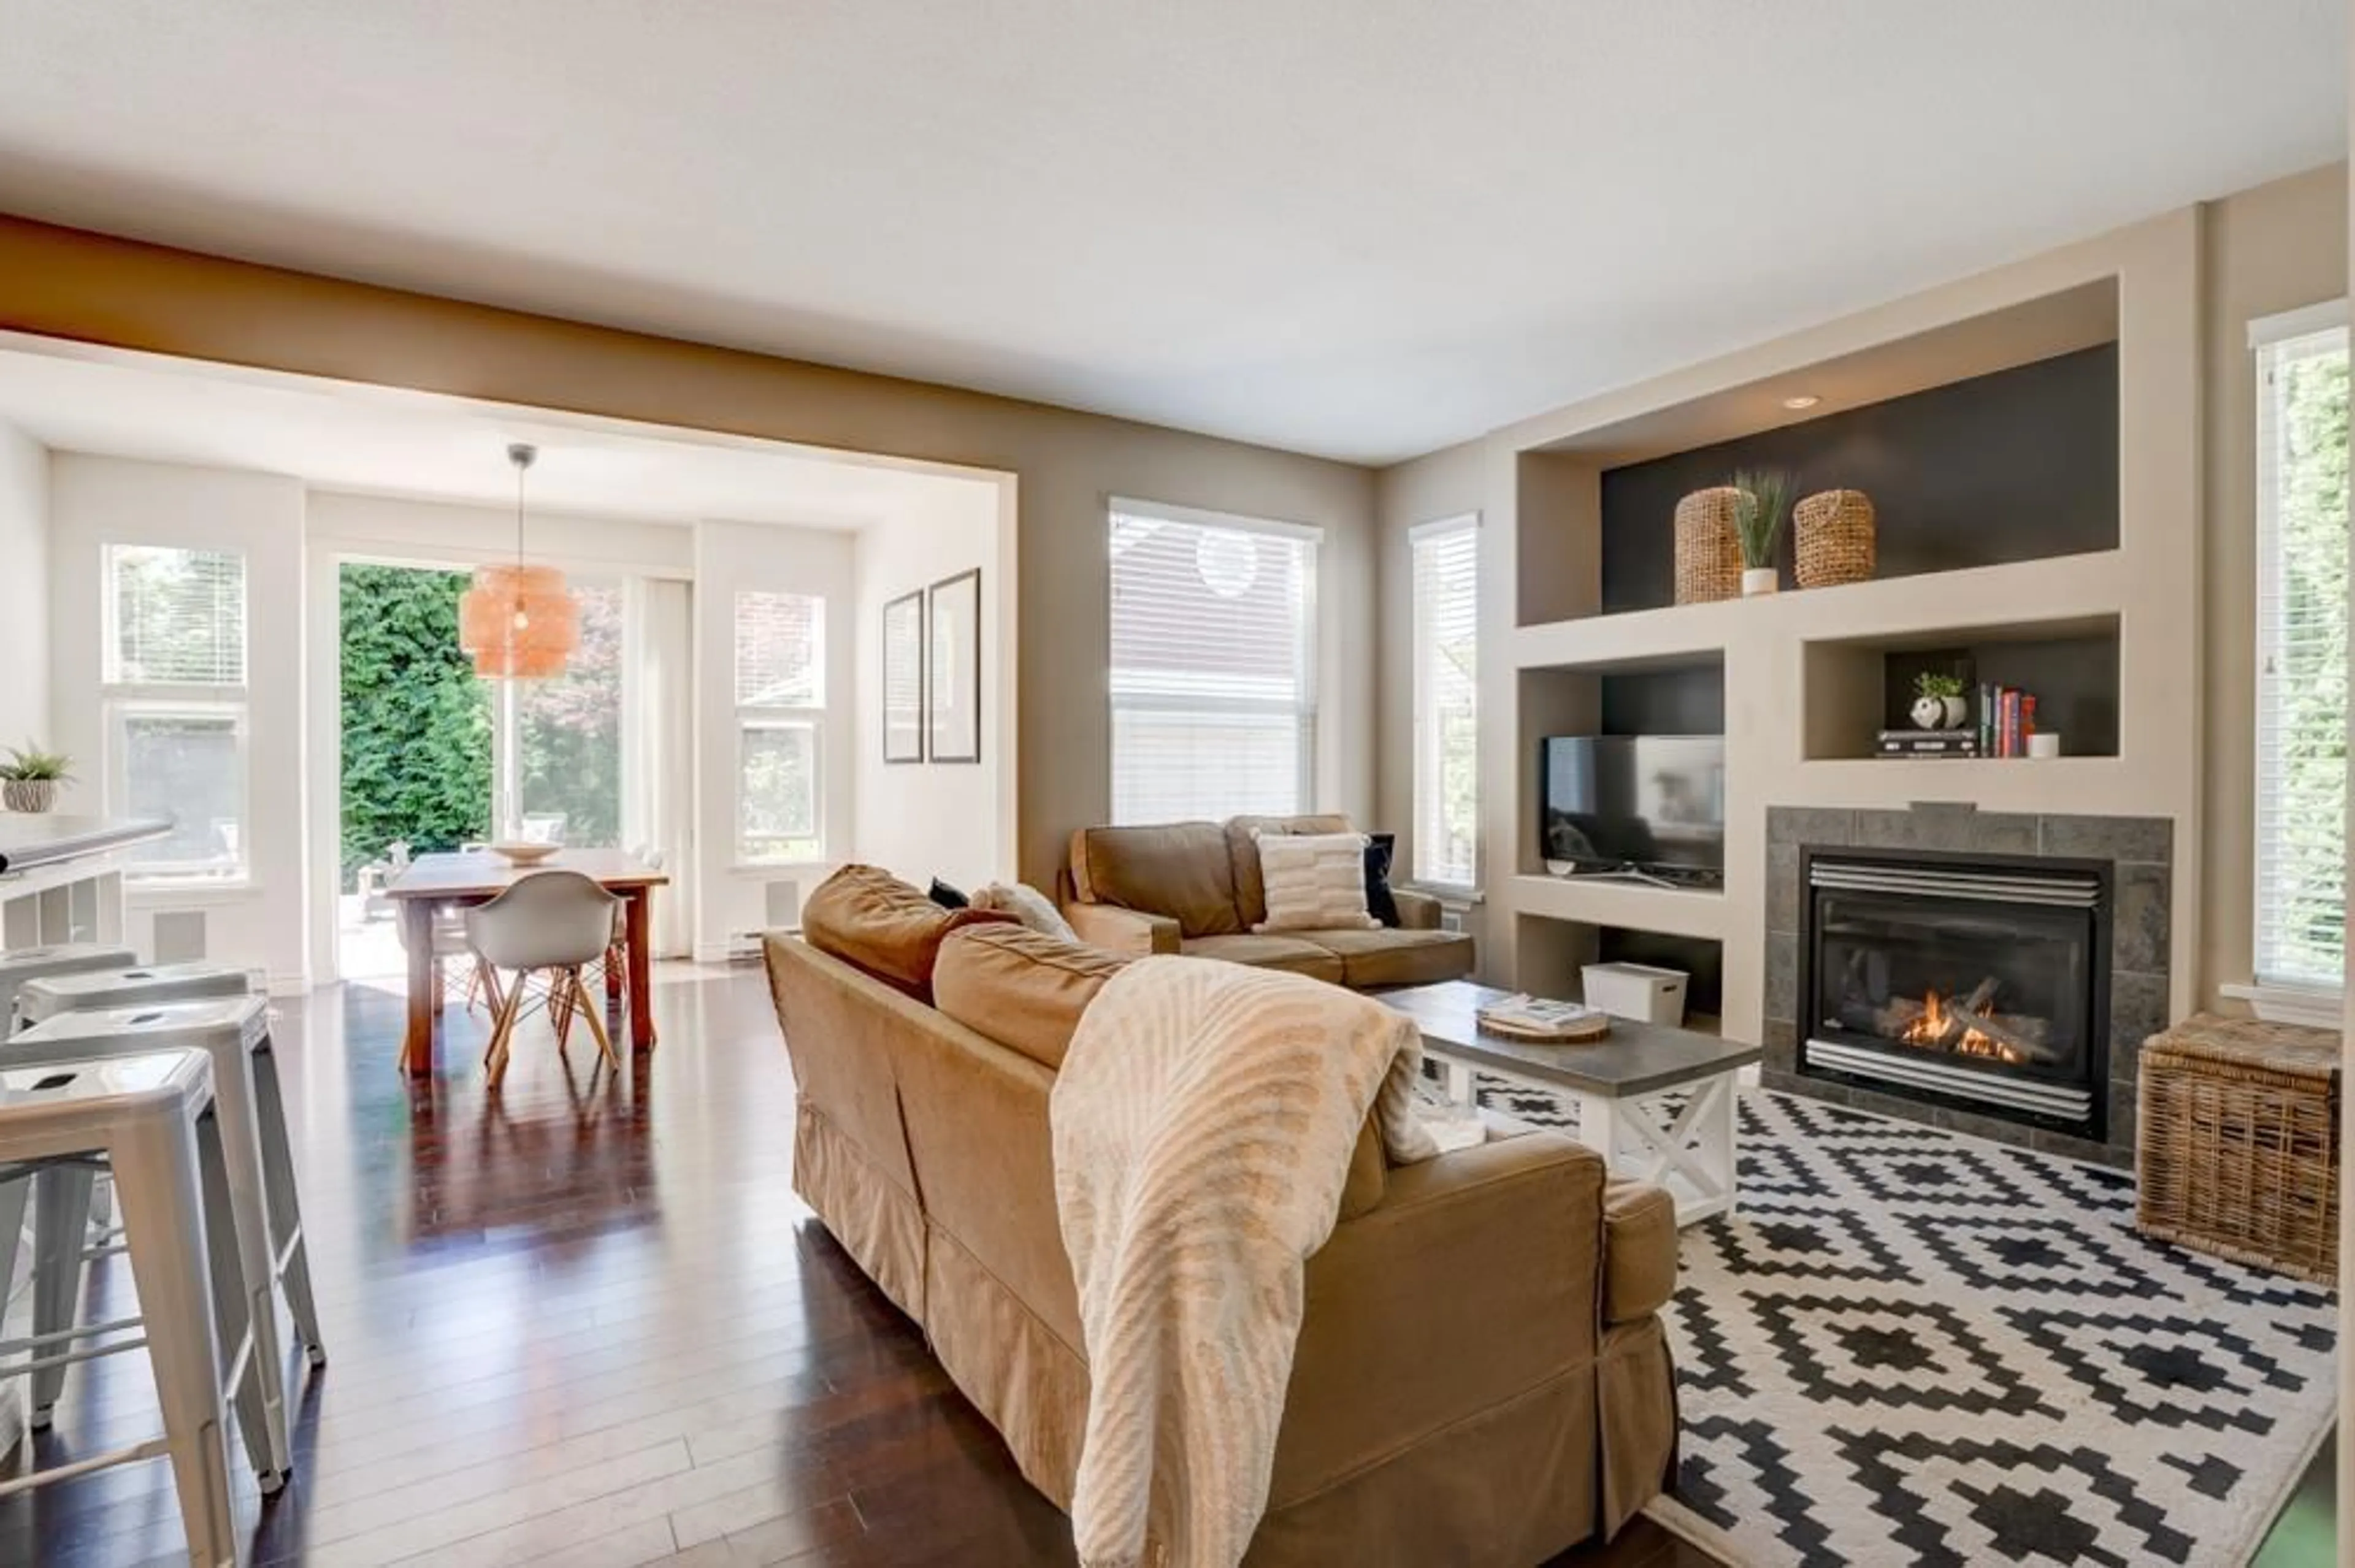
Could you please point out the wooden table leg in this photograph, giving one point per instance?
(641, 959)
(417, 1042)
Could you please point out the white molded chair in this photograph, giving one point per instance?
(552, 922)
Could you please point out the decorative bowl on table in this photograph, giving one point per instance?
(520, 854)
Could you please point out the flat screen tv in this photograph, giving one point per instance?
(1648, 804)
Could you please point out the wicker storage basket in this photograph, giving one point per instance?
(1709, 553)
(2236, 1144)
(1835, 537)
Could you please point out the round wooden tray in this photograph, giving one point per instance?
(1585, 1033)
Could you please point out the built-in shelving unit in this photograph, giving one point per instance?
(1636, 906)
(2037, 524)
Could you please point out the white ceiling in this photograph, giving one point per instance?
(1363, 228)
(379, 441)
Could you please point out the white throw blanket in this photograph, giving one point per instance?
(1203, 1124)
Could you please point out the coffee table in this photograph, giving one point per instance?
(1626, 1087)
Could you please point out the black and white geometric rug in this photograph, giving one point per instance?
(1911, 1347)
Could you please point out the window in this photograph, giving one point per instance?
(1446, 701)
(1213, 695)
(175, 703)
(2302, 682)
(780, 727)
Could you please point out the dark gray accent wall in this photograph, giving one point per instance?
(2018, 465)
(1685, 700)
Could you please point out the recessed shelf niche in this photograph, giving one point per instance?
(1857, 688)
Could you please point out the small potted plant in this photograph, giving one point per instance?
(1938, 701)
(29, 778)
(1762, 505)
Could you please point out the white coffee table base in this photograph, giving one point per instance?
(1688, 1148)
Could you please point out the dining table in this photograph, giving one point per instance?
(430, 883)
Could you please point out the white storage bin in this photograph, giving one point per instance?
(1638, 991)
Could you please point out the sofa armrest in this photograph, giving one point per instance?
(1126, 931)
(1417, 911)
(1492, 1252)
(1639, 1250)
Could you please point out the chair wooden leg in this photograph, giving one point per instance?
(560, 990)
(490, 980)
(589, 1010)
(503, 1036)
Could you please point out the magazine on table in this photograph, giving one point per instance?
(1537, 1017)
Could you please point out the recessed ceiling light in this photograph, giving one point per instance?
(1803, 401)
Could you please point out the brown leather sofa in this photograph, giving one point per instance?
(1482, 1375)
(1194, 888)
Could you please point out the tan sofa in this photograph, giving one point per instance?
(1194, 888)
(1482, 1375)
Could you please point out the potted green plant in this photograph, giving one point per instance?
(1938, 701)
(29, 778)
(1762, 505)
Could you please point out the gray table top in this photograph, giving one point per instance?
(1634, 1059)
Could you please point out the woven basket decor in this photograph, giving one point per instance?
(1709, 555)
(2236, 1143)
(1835, 537)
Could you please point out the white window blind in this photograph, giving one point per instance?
(174, 705)
(1446, 701)
(780, 726)
(2302, 673)
(1213, 681)
(176, 617)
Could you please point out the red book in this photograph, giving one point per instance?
(2027, 720)
(2010, 723)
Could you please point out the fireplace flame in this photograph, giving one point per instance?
(1937, 1022)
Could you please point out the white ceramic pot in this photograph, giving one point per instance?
(1757, 579)
(29, 794)
(1958, 710)
(1930, 713)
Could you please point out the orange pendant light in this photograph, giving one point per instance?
(518, 620)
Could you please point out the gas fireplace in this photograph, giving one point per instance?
(1974, 981)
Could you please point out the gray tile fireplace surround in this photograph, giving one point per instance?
(2140, 850)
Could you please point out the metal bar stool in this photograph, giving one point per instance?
(272, 1251)
(153, 1118)
(24, 964)
(42, 997)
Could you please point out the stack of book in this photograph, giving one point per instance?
(2007, 719)
(1930, 743)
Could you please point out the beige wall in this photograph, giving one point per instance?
(2273, 249)
(65, 283)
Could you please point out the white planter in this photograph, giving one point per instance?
(1929, 713)
(29, 794)
(1958, 710)
(1758, 580)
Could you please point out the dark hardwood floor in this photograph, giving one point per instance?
(587, 1326)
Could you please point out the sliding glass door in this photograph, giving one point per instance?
(435, 758)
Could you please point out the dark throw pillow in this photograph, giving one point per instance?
(1378, 902)
(947, 896)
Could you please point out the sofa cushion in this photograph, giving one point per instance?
(1020, 987)
(869, 919)
(1387, 957)
(1178, 868)
(1289, 954)
(1639, 1250)
(1243, 855)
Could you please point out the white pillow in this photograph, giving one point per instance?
(1315, 881)
(1026, 904)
